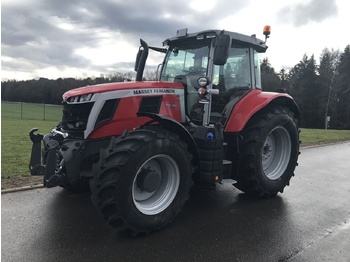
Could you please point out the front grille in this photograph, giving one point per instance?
(75, 117)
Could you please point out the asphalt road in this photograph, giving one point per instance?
(310, 221)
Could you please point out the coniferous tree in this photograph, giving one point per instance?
(343, 92)
(303, 80)
(328, 83)
(270, 80)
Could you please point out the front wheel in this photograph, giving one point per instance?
(270, 152)
(156, 184)
(142, 180)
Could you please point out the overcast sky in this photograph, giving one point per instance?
(81, 38)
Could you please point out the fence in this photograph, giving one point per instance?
(19, 110)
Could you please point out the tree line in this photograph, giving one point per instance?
(49, 91)
(322, 90)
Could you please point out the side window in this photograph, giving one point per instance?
(233, 81)
(236, 72)
(237, 69)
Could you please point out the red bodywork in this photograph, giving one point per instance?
(102, 88)
(248, 106)
(125, 116)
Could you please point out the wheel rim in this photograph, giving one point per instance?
(276, 153)
(163, 179)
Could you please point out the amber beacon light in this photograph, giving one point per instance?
(267, 31)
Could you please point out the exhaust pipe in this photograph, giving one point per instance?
(141, 60)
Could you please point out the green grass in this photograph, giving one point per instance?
(16, 145)
(320, 136)
(14, 110)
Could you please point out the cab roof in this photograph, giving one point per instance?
(183, 38)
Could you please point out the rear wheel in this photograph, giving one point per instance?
(142, 180)
(270, 152)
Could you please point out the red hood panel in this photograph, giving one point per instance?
(120, 86)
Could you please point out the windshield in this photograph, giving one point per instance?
(184, 61)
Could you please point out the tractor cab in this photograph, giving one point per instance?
(217, 68)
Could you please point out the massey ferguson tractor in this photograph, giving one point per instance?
(141, 145)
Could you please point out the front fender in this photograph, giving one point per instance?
(175, 127)
(254, 101)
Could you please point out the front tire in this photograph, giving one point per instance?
(270, 152)
(142, 180)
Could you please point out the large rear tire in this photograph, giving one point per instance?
(142, 180)
(270, 152)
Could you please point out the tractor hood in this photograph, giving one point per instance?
(142, 86)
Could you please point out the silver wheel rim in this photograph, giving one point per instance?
(276, 153)
(152, 203)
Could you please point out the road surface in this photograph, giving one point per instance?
(310, 221)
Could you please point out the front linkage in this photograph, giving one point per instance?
(53, 175)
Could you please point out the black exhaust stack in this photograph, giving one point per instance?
(141, 58)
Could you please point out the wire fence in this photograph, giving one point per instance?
(20, 110)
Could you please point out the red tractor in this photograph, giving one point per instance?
(142, 145)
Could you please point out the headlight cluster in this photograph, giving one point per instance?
(80, 99)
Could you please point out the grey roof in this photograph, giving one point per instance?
(237, 38)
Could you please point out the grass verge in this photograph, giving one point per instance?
(16, 145)
(311, 137)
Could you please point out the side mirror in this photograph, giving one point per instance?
(222, 45)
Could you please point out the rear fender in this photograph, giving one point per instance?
(175, 127)
(253, 102)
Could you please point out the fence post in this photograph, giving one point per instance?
(44, 110)
(21, 110)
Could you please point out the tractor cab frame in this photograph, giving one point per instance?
(216, 67)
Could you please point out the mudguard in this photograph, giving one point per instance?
(254, 101)
(175, 127)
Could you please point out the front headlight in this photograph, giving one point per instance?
(203, 81)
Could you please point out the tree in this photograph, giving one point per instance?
(151, 75)
(49, 91)
(328, 81)
(343, 91)
(303, 80)
(270, 81)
